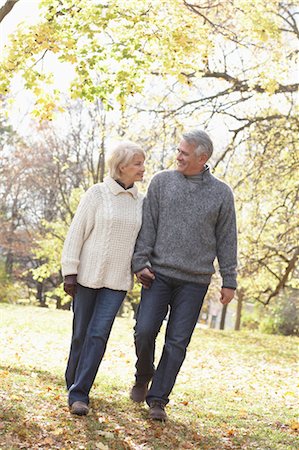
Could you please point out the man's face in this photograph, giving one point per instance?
(188, 163)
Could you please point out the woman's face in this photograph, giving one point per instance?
(133, 171)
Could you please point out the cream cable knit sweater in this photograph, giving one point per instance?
(101, 239)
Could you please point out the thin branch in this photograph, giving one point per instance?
(283, 280)
(6, 8)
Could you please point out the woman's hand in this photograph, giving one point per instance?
(70, 285)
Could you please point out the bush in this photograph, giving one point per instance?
(11, 291)
(250, 321)
(282, 317)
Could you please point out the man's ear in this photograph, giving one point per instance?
(203, 158)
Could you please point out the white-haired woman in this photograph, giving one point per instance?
(96, 265)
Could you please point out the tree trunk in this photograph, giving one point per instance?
(239, 310)
(67, 306)
(9, 263)
(40, 295)
(223, 315)
(58, 302)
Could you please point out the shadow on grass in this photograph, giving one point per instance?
(39, 418)
(31, 417)
(132, 429)
(43, 375)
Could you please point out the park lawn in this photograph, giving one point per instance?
(236, 390)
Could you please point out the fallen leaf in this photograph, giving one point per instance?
(102, 446)
(196, 437)
(106, 434)
(187, 445)
(48, 441)
(294, 426)
(230, 432)
(290, 393)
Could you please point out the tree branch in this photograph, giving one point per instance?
(6, 8)
(291, 265)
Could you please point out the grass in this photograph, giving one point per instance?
(236, 390)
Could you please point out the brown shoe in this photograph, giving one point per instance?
(79, 408)
(157, 411)
(139, 392)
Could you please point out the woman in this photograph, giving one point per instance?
(96, 265)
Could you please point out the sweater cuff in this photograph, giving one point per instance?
(137, 266)
(144, 267)
(229, 282)
(69, 267)
(229, 287)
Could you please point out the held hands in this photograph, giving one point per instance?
(227, 295)
(70, 285)
(145, 277)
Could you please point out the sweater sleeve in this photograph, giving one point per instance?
(80, 228)
(147, 235)
(226, 239)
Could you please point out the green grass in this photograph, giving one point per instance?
(234, 391)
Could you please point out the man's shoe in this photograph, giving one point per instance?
(79, 408)
(139, 392)
(157, 411)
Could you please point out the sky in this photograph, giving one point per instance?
(27, 11)
(24, 10)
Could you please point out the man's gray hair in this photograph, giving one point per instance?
(202, 141)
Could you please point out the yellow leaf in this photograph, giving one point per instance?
(292, 394)
(230, 432)
(294, 426)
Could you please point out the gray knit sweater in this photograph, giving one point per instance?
(185, 226)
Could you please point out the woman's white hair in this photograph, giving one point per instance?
(122, 154)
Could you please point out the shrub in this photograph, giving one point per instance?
(282, 317)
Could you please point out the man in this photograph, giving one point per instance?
(188, 221)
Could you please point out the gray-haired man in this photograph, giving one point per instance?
(188, 221)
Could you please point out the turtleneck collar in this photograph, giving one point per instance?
(122, 185)
(116, 188)
(199, 177)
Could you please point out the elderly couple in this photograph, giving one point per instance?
(187, 220)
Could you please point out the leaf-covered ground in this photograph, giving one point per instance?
(235, 390)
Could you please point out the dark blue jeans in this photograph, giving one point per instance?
(94, 314)
(184, 301)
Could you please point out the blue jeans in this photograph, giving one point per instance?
(94, 314)
(184, 301)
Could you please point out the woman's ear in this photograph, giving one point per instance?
(121, 167)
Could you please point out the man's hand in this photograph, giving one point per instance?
(70, 285)
(227, 295)
(145, 277)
